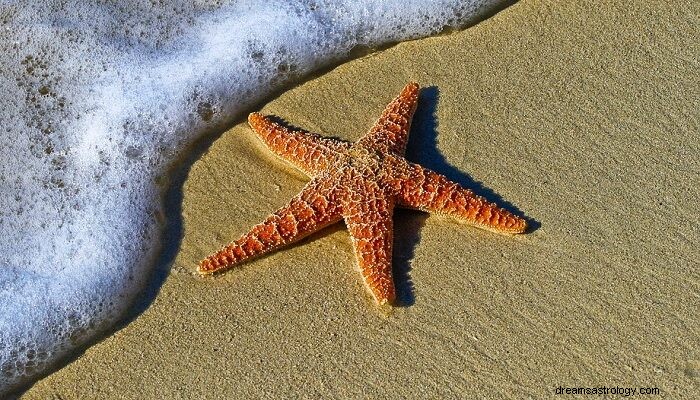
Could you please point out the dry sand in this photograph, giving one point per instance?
(583, 115)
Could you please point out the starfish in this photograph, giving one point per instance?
(359, 183)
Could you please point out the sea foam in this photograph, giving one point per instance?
(98, 100)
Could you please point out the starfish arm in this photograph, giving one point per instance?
(390, 132)
(426, 190)
(307, 151)
(311, 210)
(371, 230)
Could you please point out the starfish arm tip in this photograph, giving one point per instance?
(519, 226)
(205, 267)
(385, 302)
(516, 226)
(215, 263)
(254, 118)
(384, 296)
(524, 227)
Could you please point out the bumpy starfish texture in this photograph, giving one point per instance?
(360, 183)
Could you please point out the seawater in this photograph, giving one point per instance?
(99, 98)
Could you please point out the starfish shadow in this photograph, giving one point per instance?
(423, 149)
(407, 227)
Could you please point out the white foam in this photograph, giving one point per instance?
(96, 102)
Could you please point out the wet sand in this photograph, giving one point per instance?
(583, 116)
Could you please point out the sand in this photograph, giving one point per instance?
(582, 115)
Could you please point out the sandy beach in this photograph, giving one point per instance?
(582, 116)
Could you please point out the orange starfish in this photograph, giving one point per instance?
(360, 183)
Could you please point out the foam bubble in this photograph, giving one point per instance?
(97, 101)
